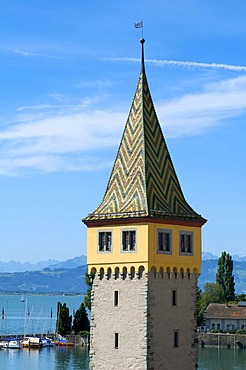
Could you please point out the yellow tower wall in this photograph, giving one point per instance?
(175, 261)
(146, 249)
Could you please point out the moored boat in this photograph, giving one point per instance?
(31, 342)
(47, 342)
(11, 343)
(63, 342)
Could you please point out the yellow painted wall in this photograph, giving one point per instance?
(146, 249)
(174, 260)
(117, 257)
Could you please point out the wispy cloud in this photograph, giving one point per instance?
(229, 67)
(76, 138)
(59, 142)
(65, 104)
(194, 113)
(38, 107)
(50, 163)
(29, 54)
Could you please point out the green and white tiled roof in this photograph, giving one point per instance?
(143, 181)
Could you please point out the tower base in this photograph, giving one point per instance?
(145, 322)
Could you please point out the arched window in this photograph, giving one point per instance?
(153, 271)
(124, 272)
(109, 273)
(168, 272)
(101, 273)
(140, 271)
(132, 272)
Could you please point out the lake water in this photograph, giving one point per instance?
(222, 359)
(59, 358)
(34, 314)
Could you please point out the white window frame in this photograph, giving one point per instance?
(104, 248)
(164, 231)
(188, 250)
(128, 249)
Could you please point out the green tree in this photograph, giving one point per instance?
(225, 277)
(213, 293)
(87, 297)
(64, 320)
(81, 321)
(240, 297)
(199, 307)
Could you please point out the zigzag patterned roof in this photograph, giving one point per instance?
(143, 181)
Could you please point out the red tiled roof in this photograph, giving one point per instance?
(223, 311)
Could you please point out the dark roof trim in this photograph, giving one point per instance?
(141, 220)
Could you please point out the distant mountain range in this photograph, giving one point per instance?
(45, 281)
(209, 256)
(13, 266)
(69, 276)
(209, 268)
(44, 277)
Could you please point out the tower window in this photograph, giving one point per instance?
(186, 242)
(164, 241)
(129, 240)
(176, 338)
(116, 340)
(174, 298)
(116, 298)
(105, 241)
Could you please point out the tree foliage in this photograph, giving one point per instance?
(213, 293)
(240, 297)
(64, 320)
(87, 297)
(199, 308)
(225, 277)
(222, 291)
(81, 321)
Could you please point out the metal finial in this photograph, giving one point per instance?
(142, 62)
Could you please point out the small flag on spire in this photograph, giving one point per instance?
(139, 25)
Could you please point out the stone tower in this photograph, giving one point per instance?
(144, 254)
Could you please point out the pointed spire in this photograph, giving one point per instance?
(142, 61)
(143, 181)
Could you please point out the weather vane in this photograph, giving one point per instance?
(139, 25)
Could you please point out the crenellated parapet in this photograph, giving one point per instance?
(124, 272)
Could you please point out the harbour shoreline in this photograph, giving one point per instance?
(221, 340)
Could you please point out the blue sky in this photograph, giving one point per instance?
(68, 73)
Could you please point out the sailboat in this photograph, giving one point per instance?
(11, 343)
(29, 341)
